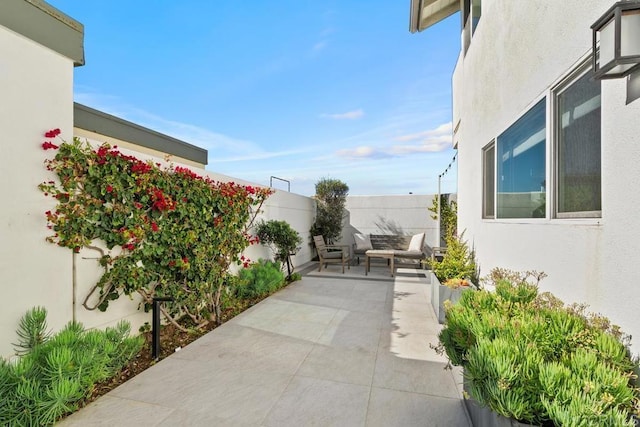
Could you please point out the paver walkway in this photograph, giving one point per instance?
(329, 350)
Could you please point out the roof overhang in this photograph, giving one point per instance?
(44, 24)
(105, 124)
(425, 13)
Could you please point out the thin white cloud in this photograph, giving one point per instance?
(362, 152)
(442, 130)
(319, 46)
(429, 141)
(349, 115)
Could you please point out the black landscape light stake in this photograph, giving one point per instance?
(155, 328)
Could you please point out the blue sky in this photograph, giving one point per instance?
(300, 89)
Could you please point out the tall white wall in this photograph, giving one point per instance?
(406, 214)
(37, 95)
(518, 52)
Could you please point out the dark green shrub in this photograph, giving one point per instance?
(331, 196)
(529, 357)
(53, 375)
(279, 235)
(281, 238)
(259, 279)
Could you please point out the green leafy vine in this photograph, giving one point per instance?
(170, 232)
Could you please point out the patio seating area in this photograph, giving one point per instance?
(332, 349)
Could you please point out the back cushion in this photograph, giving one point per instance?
(417, 242)
(363, 242)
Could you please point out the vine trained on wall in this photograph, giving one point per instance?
(175, 233)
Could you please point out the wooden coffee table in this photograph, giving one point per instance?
(379, 253)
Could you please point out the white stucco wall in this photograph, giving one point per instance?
(405, 214)
(37, 95)
(519, 51)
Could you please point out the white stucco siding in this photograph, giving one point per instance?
(520, 51)
(37, 95)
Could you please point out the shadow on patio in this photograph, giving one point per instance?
(329, 350)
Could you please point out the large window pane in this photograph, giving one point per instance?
(489, 180)
(521, 166)
(578, 148)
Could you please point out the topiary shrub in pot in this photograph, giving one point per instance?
(528, 357)
(453, 275)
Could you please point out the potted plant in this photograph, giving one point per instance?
(529, 359)
(453, 275)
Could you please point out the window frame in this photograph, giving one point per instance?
(485, 155)
(572, 77)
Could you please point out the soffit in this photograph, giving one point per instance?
(425, 13)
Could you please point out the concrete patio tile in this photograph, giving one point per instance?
(356, 338)
(353, 304)
(239, 396)
(414, 322)
(201, 419)
(339, 364)
(358, 319)
(419, 297)
(310, 313)
(416, 376)
(388, 408)
(312, 299)
(315, 402)
(114, 411)
(308, 331)
(400, 307)
(265, 351)
(411, 345)
(269, 308)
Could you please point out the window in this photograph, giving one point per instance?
(578, 157)
(471, 12)
(489, 180)
(521, 171)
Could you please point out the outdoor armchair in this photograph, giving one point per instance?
(332, 254)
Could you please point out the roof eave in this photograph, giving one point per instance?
(425, 13)
(44, 24)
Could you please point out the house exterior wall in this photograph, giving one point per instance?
(520, 50)
(37, 94)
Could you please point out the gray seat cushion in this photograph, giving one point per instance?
(332, 255)
(408, 254)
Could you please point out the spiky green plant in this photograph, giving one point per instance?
(52, 375)
(529, 357)
(32, 330)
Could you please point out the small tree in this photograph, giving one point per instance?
(331, 196)
(280, 237)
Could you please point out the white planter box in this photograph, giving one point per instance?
(441, 293)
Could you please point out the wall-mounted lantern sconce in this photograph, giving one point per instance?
(618, 35)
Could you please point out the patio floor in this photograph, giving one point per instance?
(329, 350)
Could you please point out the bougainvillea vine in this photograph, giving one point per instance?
(170, 232)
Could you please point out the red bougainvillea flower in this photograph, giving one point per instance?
(109, 189)
(52, 133)
(49, 146)
(154, 226)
